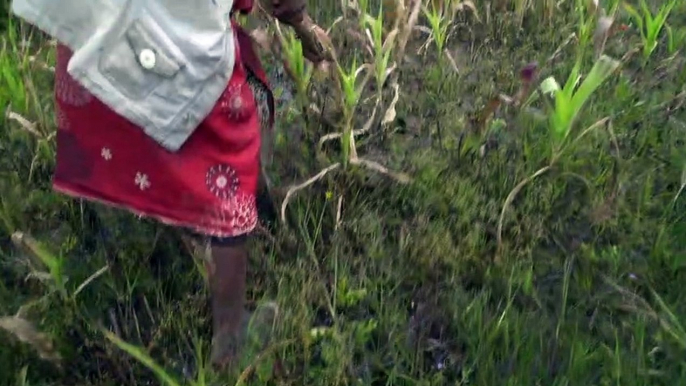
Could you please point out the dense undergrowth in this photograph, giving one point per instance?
(494, 240)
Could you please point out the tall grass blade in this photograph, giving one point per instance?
(143, 358)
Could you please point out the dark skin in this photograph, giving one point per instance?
(227, 268)
(227, 262)
(315, 41)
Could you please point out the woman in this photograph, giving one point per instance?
(206, 184)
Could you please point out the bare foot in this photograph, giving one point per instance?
(225, 346)
(255, 334)
(261, 325)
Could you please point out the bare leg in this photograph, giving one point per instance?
(227, 270)
(234, 329)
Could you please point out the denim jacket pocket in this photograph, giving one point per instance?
(139, 61)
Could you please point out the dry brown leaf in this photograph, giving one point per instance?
(295, 189)
(24, 123)
(394, 13)
(461, 6)
(377, 167)
(390, 40)
(30, 246)
(24, 330)
(602, 32)
(592, 6)
(407, 29)
(452, 61)
(390, 114)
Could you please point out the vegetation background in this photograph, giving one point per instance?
(430, 282)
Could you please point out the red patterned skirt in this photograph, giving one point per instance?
(208, 186)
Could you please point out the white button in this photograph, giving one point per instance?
(147, 59)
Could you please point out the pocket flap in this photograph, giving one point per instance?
(143, 45)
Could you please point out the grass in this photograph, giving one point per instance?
(458, 277)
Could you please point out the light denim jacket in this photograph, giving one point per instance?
(162, 64)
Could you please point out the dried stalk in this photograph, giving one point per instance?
(377, 167)
(294, 189)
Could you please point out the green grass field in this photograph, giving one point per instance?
(539, 240)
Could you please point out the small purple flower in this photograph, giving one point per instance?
(529, 72)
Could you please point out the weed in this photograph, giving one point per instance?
(382, 282)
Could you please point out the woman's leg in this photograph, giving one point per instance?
(227, 269)
(235, 330)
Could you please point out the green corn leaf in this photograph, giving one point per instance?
(647, 14)
(638, 19)
(559, 118)
(602, 69)
(570, 100)
(572, 80)
(663, 14)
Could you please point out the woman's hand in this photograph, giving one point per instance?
(317, 46)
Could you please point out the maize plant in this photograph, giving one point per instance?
(650, 26)
(564, 105)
